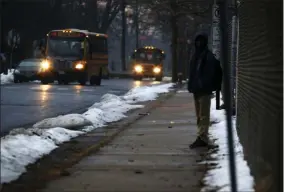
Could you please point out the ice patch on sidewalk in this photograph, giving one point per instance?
(218, 177)
(9, 78)
(24, 146)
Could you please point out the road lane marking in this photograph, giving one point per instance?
(88, 90)
(10, 87)
(112, 91)
(35, 88)
(62, 88)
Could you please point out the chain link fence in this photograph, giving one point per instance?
(260, 90)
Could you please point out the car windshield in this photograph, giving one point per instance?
(65, 48)
(29, 63)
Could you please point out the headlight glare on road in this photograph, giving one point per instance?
(138, 68)
(45, 65)
(157, 70)
(79, 66)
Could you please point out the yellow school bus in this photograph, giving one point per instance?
(74, 55)
(148, 62)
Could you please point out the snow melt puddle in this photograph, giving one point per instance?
(24, 146)
(218, 177)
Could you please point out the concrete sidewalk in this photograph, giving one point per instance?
(152, 155)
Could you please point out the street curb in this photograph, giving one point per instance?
(125, 75)
(68, 154)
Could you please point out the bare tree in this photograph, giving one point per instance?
(173, 10)
(94, 15)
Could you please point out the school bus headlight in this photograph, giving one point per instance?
(157, 70)
(45, 65)
(79, 66)
(138, 68)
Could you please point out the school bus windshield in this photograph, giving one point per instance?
(148, 56)
(66, 47)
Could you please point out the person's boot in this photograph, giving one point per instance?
(198, 143)
(197, 122)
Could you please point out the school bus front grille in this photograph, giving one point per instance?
(62, 65)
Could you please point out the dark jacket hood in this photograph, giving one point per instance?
(202, 35)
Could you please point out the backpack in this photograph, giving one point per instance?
(218, 75)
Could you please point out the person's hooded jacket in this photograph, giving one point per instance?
(202, 69)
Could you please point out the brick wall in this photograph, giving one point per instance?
(259, 90)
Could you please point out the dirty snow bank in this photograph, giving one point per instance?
(218, 177)
(69, 121)
(24, 146)
(9, 78)
(19, 150)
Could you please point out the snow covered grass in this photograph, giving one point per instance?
(218, 177)
(9, 78)
(24, 146)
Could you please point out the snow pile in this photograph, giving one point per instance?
(218, 177)
(24, 146)
(111, 108)
(145, 93)
(19, 150)
(69, 121)
(170, 79)
(167, 78)
(9, 78)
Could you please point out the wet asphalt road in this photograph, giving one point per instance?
(28, 103)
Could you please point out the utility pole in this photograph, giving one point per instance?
(123, 23)
(137, 24)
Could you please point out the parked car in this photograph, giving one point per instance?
(27, 70)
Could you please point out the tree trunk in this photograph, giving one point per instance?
(123, 23)
(174, 48)
(136, 25)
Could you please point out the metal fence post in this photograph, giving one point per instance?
(215, 31)
(234, 62)
(223, 4)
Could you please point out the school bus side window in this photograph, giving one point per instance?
(100, 45)
(89, 48)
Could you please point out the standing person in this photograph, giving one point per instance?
(205, 76)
